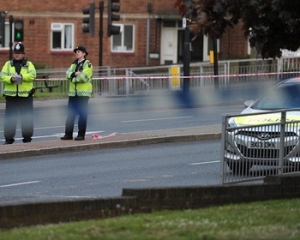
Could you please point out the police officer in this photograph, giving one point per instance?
(18, 75)
(79, 75)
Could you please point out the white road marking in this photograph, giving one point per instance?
(39, 128)
(18, 184)
(203, 163)
(155, 119)
(60, 196)
(167, 176)
(136, 180)
(58, 135)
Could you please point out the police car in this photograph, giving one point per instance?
(258, 143)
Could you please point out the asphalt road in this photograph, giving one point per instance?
(105, 173)
(160, 109)
(49, 121)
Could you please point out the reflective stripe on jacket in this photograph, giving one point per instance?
(80, 85)
(28, 73)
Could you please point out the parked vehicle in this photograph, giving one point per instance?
(267, 130)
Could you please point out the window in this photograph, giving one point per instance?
(62, 36)
(123, 42)
(6, 38)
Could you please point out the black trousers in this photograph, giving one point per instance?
(18, 107)
(77, 106)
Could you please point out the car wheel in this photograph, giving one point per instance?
(239, 168)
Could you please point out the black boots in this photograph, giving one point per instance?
(78, 138)
(66, 137)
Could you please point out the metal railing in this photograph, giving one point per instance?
(265, 143)
(140, 80)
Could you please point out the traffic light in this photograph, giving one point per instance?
(19, 30)
(112, 29)
(2, 29)
(89, 22)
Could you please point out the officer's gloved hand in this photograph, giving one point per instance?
(18, 78)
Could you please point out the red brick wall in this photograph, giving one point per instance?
(38, 16)
(234, 44)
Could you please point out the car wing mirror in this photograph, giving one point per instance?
(248, 103)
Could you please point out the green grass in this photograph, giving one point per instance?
(44, 96)
(279, 219)
(49, 95)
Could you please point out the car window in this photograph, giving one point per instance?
(280, 97)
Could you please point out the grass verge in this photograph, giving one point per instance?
(43, 96)
(278, 219)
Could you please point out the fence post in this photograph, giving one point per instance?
(223, 145)
(281, 148)
(279, 68)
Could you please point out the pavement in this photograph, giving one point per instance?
(19, 150)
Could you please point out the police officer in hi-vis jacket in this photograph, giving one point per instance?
(80, 75)
(17, 76)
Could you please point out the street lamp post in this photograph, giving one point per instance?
(11, 20)
(101, 9)
(216, 72)
(186, 48)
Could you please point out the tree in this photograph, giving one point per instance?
(270, 25)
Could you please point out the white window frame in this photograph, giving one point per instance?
(122, 47)
(66, 38)
(7, 36)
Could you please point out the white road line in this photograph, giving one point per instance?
(60, 196)
(136, 180)
(203, 163)
(39, 128)
(155, 119)
(19, 184)
(58, 135)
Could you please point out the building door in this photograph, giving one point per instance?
(168, 46)
(172, 44)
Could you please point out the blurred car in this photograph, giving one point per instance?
(259, 142)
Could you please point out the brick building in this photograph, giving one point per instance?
(151, 34)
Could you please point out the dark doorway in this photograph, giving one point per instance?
(196, 47)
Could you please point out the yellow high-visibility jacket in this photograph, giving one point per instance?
(28, 73)
(80, 85)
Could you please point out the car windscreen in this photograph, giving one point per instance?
(284, 96)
